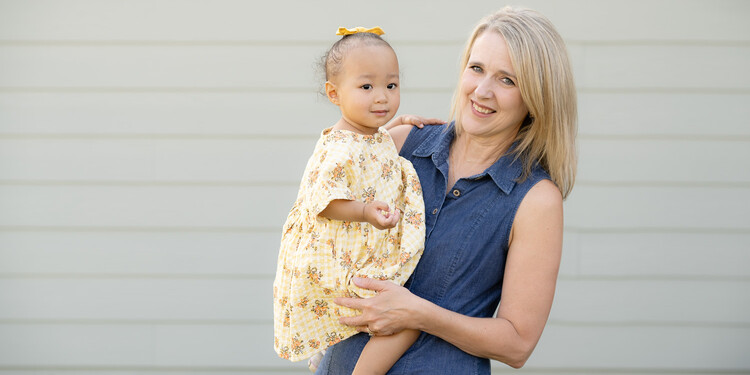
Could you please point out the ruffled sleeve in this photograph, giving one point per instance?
(329, 180)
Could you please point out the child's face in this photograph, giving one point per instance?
(367, 88)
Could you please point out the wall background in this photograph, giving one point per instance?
(150, 149)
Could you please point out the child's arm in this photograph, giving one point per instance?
(376, 213)
(381, 352)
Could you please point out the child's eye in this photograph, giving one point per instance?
(392, 86)
(476, 69)
(366, 86)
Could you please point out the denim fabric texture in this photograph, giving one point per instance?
(466, 245)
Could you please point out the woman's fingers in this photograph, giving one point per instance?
(371, 284)
(420, 121)
(415, 120)
(354, 321)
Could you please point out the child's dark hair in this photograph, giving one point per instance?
(330, 63)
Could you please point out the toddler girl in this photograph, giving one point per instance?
(359, 210)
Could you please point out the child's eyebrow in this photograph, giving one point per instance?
(371, 76)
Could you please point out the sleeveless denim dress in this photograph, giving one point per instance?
(463, 263)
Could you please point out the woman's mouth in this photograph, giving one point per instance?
(481, 109)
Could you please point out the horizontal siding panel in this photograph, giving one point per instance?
(139, 254)
(423, 66)
(233, 301)
(137, 300)
(702, 209)
(663, 114)
(257, 160)
(203, 160)
(242, 20)
(204, 113)
(664, 66)
(159, 207)
(589, 207)
(675, 349)
(659, 302)
(220, 66)
(658, 161)
(157, 66)
(184, 346)
(663, 255)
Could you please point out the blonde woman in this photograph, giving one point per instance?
(493, 183)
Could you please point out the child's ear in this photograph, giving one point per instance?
(331, 93)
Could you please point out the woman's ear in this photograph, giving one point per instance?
(331, 93)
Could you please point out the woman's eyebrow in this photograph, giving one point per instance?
(501, 71)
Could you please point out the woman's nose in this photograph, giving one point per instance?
(484, 89)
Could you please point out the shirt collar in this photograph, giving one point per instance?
(504, 172)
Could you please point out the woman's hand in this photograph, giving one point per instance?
(399, 133)
(392, 310)
(415, 120)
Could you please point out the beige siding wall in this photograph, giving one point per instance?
(150, 149)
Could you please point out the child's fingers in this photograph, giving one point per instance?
(392, 219)
(380, 206)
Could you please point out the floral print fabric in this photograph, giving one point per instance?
(319, 256)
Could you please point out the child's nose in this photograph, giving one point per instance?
(381, 97)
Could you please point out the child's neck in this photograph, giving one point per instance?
(342, 124)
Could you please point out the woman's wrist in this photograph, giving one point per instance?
(419, 314)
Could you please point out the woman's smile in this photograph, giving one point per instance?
(481, 109)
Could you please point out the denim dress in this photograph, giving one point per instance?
(463, 263)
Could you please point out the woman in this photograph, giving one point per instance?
(493, 184)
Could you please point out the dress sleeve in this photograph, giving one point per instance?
(329, 180)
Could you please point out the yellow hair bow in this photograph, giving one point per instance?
(375, 30)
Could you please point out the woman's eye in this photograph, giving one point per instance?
(508, 81)
(392, 86)
(367, 86)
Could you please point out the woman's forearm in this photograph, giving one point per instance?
(494, 338)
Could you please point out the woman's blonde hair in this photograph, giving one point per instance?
(545, 80)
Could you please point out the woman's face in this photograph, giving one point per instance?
(491, 104)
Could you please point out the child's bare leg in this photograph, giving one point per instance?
(382, 352)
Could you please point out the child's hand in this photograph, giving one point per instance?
(415, 120)
(380, 216)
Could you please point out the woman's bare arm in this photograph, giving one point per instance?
(528, 289)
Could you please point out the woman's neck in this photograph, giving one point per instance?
(470, 155)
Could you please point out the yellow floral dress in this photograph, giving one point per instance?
(319, 256)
